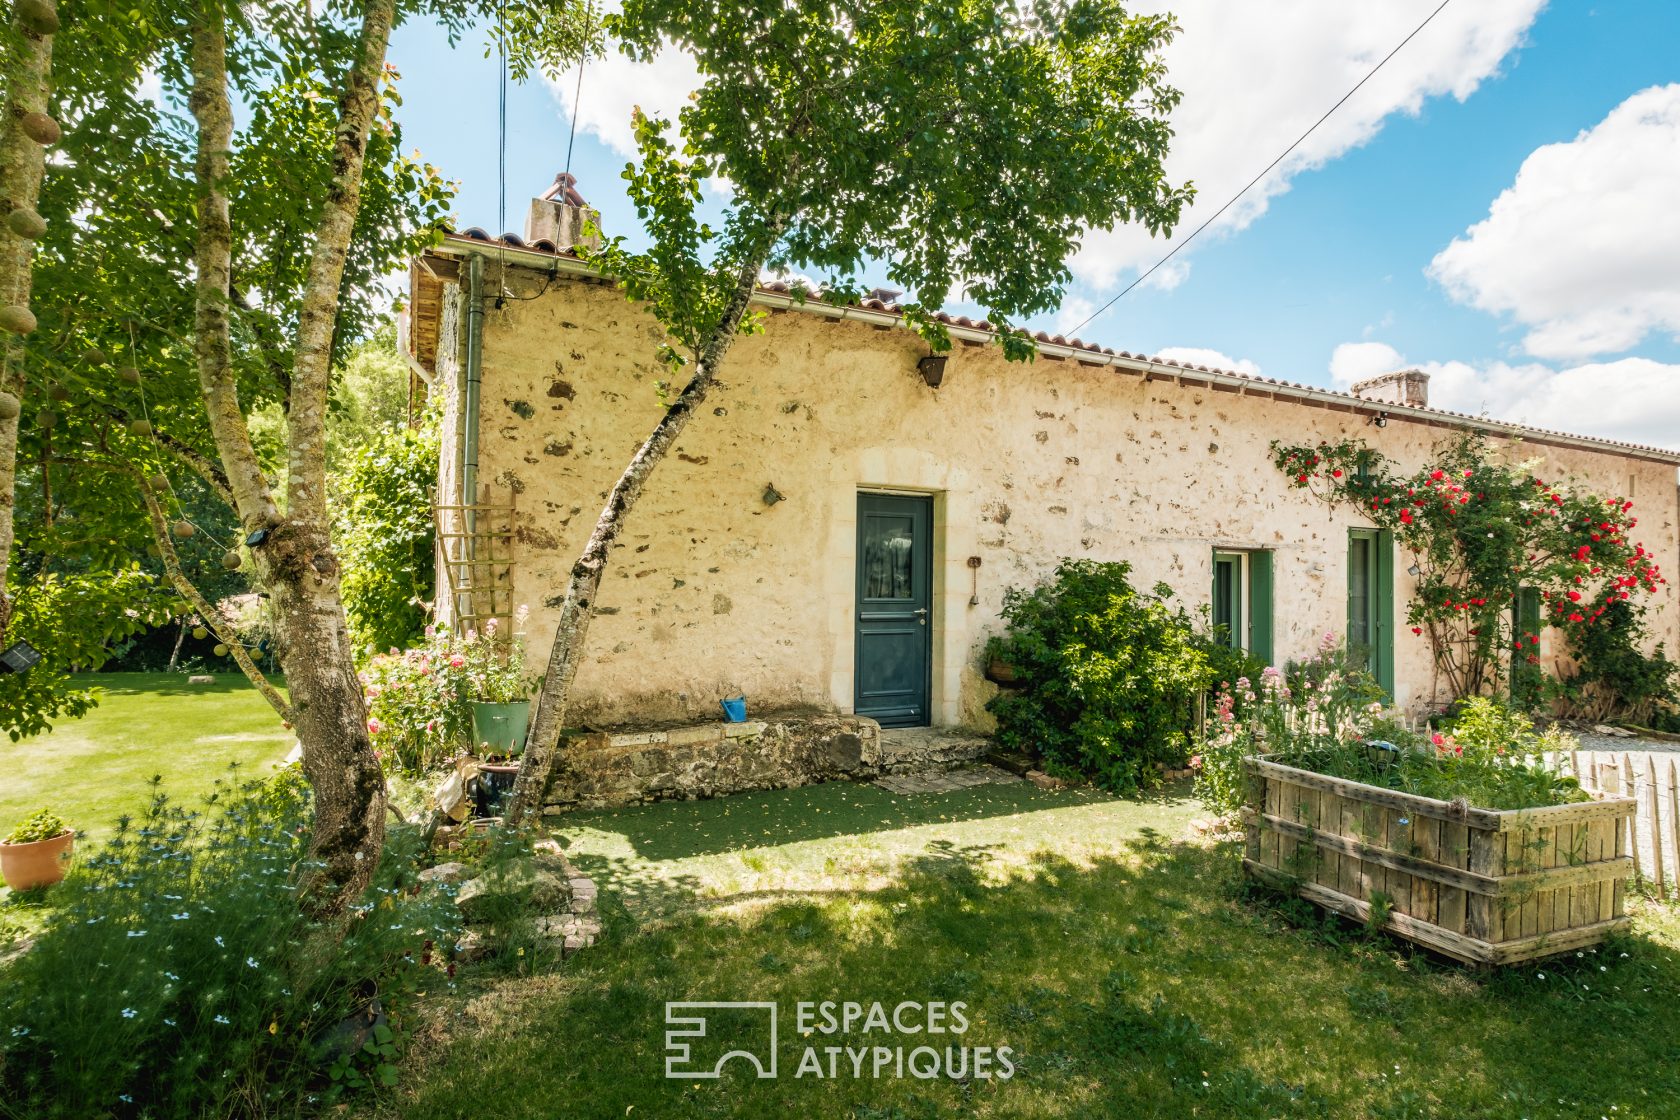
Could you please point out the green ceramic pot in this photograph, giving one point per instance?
(500, 728)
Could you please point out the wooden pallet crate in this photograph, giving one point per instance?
(1484, 887)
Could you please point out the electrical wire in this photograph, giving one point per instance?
(1267, 171)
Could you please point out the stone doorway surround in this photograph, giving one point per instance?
(956, 517)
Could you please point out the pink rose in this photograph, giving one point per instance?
(375, 727)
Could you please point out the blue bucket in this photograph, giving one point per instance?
(735, 711)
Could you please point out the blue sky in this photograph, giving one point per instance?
(1335, 251)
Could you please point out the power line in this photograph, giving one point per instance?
(1268, 169)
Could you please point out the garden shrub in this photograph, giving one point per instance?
(1108, 676)
(1328, 719)
(178, 978)
(418, 707)
(385, 536)
(1615, 679)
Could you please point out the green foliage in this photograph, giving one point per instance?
(1330, 719)
(179, 979)
(1615, 678)
(76, 622)
(1108, 675)
(420, 700)
(1479, 530)
(385, 536)
(419, 710)
(43, 824)
(994, 138)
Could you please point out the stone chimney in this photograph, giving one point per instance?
(1406, 386)
(559, 216)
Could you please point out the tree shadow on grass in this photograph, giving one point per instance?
(227, 680)
(1145, 984)
(670, 830)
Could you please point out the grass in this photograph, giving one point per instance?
(1132, 973)
(92, 770)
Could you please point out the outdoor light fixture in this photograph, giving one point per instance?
(772, 495)
(1380, 420)
(1414, 571)
(18, 656)
(932, 369)
(974, 571)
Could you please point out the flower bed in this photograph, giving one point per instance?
(1479, 885)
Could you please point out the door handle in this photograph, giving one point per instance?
(921, 615)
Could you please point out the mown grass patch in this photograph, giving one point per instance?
(1130, 972)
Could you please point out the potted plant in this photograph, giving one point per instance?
(37, 853)
(500, 687)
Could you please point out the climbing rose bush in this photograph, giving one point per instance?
(1479, 529)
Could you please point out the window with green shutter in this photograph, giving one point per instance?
(1242, 601)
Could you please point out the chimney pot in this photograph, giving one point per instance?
(1408, 387)
(559, 215)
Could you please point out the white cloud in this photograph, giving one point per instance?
(1355, 361)
(1636, 400)
(1581, 248)
(614, 86)
(1202, 356)
(1255, 76)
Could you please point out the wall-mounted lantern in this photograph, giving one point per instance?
(932, 369)
(772, 495)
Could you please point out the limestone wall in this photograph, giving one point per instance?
(713, 592)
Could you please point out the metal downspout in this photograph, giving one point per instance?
(470, 410)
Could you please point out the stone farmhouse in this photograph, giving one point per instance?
(837, 534)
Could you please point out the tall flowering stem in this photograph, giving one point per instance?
(1479, 530)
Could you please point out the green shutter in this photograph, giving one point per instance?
(1383, 639)
(1260, 605)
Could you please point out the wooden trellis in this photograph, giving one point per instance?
(475, 554)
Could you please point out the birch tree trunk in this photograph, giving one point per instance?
(22, 163)
(295, 560)
(536, 768)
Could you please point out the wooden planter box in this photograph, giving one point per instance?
(1480, 886)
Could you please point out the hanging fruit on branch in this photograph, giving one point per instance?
(41, 128)
(57, 392)
(183, 529)
(129, 374)
(46, 419)
(159, 482)
(94, 356)
(140, 428)
(9, 407)
(26, 223)
(231, 561)
(200, 633)
(220, 650)
(17, 319)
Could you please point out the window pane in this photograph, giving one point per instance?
(1225, 599)
(1359, 592)
(887, 558)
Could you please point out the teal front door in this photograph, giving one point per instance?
(894, 604)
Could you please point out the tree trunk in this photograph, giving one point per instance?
(536, 768)
(295, 560)
(22, 163)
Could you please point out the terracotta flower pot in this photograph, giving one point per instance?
(41, 864)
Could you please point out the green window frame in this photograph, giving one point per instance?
(1370, 602)
(1241, 599)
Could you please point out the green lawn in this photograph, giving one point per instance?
(1129, 970)
(92, 770)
